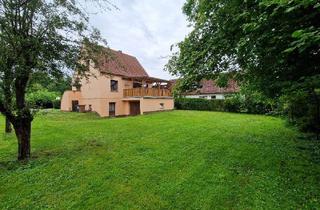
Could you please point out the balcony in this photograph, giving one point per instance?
(146, 92)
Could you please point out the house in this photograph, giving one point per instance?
(118, 87)
(210, 90)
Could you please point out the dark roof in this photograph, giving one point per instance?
(119, 63)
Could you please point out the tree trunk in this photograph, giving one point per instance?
(8, 128)
(318, 118)
(23, 132)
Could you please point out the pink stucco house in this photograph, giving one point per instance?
(118, 87)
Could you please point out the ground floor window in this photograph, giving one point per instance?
(112, 109)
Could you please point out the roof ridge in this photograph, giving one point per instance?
(122, 64)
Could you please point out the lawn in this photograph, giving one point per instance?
(171, 160)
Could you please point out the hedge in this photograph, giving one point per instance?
(199, 104)
(235, 103)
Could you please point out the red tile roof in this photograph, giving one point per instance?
(210, 87)
(119, 63)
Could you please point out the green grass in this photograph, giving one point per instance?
(172, 160)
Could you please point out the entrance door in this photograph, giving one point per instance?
(75, 106)
(134, 107)
(112, 109)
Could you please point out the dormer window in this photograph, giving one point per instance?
(114, 86)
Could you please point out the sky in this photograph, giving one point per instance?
(145, 29)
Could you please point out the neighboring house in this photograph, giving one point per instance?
(209, 90)
(119, 87)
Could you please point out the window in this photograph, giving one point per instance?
(202, 96)
(213, 97)
(114, 85)
(137, 84)
(161, 105)
(112, 109)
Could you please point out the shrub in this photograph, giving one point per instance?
(199, 104)
(256, 105)
(301, 103)
(56, 103)
(233, 103)
(301, 107)
(42, 99)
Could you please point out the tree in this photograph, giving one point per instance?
(268, 42)
(39, 36)
(6, 63)
(59, 83)
(271, 44)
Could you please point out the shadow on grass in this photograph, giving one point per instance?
(310, 145)
(45, 155)
(12, 165)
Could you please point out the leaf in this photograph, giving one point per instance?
(297, 34)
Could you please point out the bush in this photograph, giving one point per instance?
(43, 99)
(56, 104)
(256, 105)
(301, 103)
(199, 104)
(233, 103)
(301, 107)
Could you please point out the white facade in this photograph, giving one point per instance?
(207, 96)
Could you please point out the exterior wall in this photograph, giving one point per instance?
(207, 96)
(153, 104)
(96, 91)
(67, 98)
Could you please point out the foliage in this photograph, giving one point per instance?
(60, 83)
(258, 39)
(271, 44)
(170, 160)
(255, 102)
(223, 79)
(41, 97)
(40, 37)
(302, 104)
(233, 103)
(199, 104)
(56, 103)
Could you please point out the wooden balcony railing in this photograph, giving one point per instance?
(141, 92)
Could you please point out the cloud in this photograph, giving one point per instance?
(145, 29)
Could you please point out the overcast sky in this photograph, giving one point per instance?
(145, 29)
